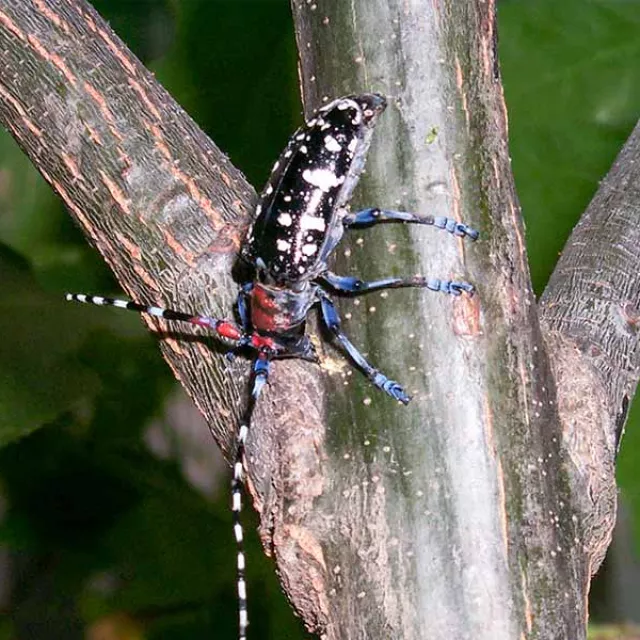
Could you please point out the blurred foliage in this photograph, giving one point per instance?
(101, 538)
(614, 632)
(571, 73)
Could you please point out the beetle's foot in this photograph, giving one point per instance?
(391, 387)
(450, 286)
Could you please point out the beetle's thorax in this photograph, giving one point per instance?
(278, 310)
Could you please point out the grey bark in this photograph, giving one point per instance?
(590, 312)
(457, 517)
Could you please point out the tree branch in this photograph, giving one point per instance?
(590, 311)
(168, 212)
(453, 518)
(469, 526)
(152, 192)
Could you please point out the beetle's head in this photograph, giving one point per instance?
(372, 104)
(354, 110)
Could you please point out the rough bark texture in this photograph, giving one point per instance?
(168, 212)
(590, 311)
(458, 517)
(470, 530)
(153, 194)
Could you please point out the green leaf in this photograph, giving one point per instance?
(572, 82)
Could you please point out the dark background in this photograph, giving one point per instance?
(113, 501)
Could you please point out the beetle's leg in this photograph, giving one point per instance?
(258, 380)
(368, 217)
(224, 328)
(242, 305)
(332, 321)
(353, 285)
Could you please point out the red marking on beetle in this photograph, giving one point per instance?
(228, 330)
(264, 311)
(262, 342)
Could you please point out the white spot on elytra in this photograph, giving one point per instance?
(312, 222)
(285, 219)
(303, 149)
(283, 245)
(309, 249)
(325, 179)
(332, 144)
(269, 190)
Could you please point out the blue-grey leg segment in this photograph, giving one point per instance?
(332, 321)
(243, 315)
(368, 217)
(242, 305)
(353, 285)
(449, 286)
(261, 369)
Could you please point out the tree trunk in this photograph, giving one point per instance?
(469, 514)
